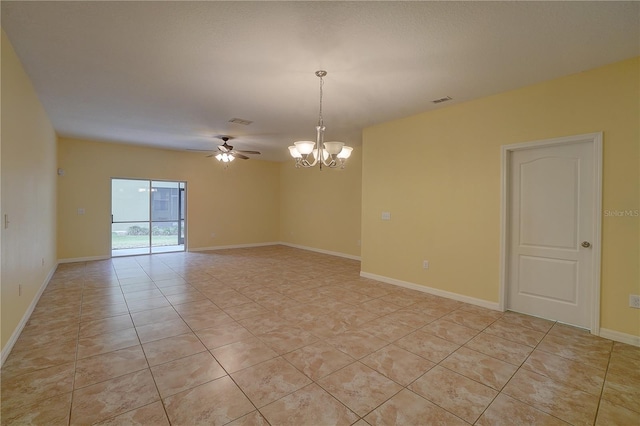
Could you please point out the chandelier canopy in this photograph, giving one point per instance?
(328, 154)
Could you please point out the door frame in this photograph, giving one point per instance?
(595, 139)
(182, 194)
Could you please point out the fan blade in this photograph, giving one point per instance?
(247, 152)
(210, 155)
(238, 155)
(224, 148)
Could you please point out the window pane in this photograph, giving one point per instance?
(129, 236)
(164, 234)
(164, 201)
(129, 200)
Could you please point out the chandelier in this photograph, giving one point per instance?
(327, 154)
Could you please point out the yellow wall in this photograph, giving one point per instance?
(443, 186)
(28, 172)
(321, 209)
(442, 189)
(239, 204)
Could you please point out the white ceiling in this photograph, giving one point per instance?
(171, 74)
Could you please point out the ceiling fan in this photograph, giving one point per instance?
(227, 153)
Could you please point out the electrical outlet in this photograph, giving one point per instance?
(386, 215)
(634, 301)
(425, 264)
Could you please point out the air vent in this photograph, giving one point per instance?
(441, 100)
(240, 121)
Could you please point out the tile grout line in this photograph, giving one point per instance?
(446, 357)
(522, 365)
(326, 285)
(75, 362)
(155, 383)
(216, 360)
(463, 345)
(604, 382)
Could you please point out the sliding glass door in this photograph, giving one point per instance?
(167, 216)
(147, 216)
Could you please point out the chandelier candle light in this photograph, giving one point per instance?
(329, 154)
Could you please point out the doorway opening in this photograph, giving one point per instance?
(147, 216)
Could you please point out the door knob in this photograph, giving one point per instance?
(586, 244)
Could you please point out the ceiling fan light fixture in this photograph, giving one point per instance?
(328, 154)
(227, 153)
(225, 158)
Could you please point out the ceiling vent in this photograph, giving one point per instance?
(441, 100)
(240, 121)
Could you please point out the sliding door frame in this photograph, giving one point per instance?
(182, 206)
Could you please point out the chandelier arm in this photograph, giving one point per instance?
(306, 163)
(331, 163)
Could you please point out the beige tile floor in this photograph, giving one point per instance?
(276, 335)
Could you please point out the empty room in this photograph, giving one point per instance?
(320, 213)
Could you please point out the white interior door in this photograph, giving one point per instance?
(550, 262)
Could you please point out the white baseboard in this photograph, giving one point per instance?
(233, 246)
(629, 339)
(16, 333)
(317, 250)
(436, 292)
(83, 259)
